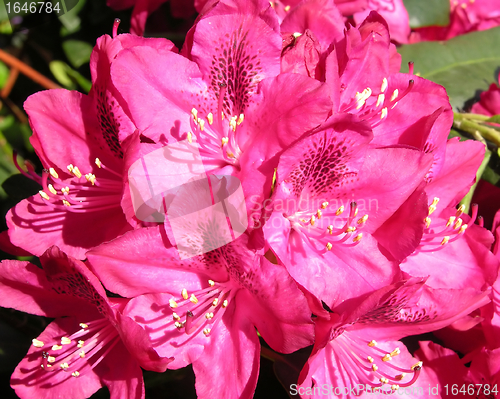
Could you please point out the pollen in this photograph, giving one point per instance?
(463, 228)
(399, 377)
(287, 8)
(445, 240)
(177, 324)
(313, 220)
(417, 366)
(77, 172)
(363, 219)
(190, 137)
(37, 343)
(383, 88)
(75, 374)
(383, 113)
(395, 352)
(66, 203)
(328, 246)
(70, 168)
(297, 34)
(240, 120)
(225, 303)
(53, 173)
(194, 113)
(457, 224)
(64, 366)
(202, 124)
(193, 299)
(433, 205)
(65, 341)
(206, 331)
(374, 367)
(215, 302)
(427, 222)
(340, 210)
(319, 214)
(56, 347)
(384, 380)
(372, 343)
(175, 316)
(44, 195)
(51, 359)
(232, 123)
(80, 344)
(172, 303)
(370, 359)
(324, 205)
(210, 118)
(380, 100)
(83, 325)
(184, 293)
(211, 283)
(451, 220)
(82, 354)
(394, 95)
(224, 141)
(351, 229)
(209, 316)
(387, 357)
(98, 163)
(91, 178)
(65, 190)
(358, 237)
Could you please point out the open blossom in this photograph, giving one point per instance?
(81, 142)
(358, 348)
(205, 310)
(75, 355)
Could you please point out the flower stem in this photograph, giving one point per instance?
(464, 122)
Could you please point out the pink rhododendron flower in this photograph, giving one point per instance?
(358, 349)
(75, 355)
(83, 156)
(204, 310)
(489, 103)
(465, 16)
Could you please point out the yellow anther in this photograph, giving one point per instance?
(224, 141)
(210, 118)
(394, 387)
(395, 352)
(330, 229)
(194, 112)
(64, 365)
(70, 168)
(65, 190)
(75, 374)
(211, 283)
(91, 178)
(394, 95)
(82, 354)
(193, 299)
(37, 343)
(52, 189)
(417, 366)
(209, 316)
(458, 223)
(189, 137)
(427, 222)
(240, 120)
(51, 359)
(65, 341)
(324, 205)
(351, 229)
(230, 154)
(172, 303)
(175, 316)
(98, 163)
(56, 347)
(356, 212)
(463, 5)
(372, 343)
(384, 380)
(445, 240)
(232, 123)
(225, 303)
(328, 246)
(363, 219)
(44, 195)
(178, 325)
(66, 203)
(297, 34)
(451, 220)
(215, 302)
(319, 214)
(184, 293)
(460, 210)
(383, 88)
(222, 115)
(360, 104)
(313, 220)
(383, 113)
(340, 211)
(370, 359)
(400, 376)
(287, 8)
(202, 124)
(83, 325)
(374, 367)
(80, 343)
(380, 100)
(77, 172)
(53, 173)
(206, 331)
(387, 357)
(358, 237)
(463, 228)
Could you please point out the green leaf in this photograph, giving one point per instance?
(428, 13)
(4, 74)
(468, 198)
(68, 77)
(462, 65)
(77, 51)
(494, 119)
(71, 21)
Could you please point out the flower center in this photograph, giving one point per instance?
(81, 351)
(80, 194)
(370, 365)
(328, 226)
(217, 139)
(372, 107)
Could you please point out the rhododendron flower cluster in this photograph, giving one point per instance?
(312, 202)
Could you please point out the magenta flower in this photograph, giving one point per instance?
(489, 103)
(204, 310)
(83, 158)
(332, 192)
(358, 348)
(75, 355)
